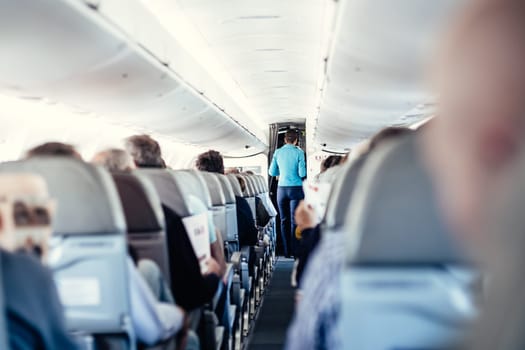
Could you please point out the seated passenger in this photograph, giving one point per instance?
(190, 288)
(35, 317)
(152, 321)
(331, 162)
(315, 319)
(53, 149)
(212, 162)
(114, 160)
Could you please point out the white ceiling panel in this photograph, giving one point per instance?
(272, 50)
(376, 68)
(118, 67)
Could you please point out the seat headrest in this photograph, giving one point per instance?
(87, 199)
(141, 203)
(214, 188)
(227, 189)
(168, 189)
(258, 184)
(343, 179)
(250, 190)
(264, 184)
(192, 183)
(235, 185)
(394, 217)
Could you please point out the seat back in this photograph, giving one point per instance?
(401, 271)
(88, 250)
(249, 195)
(194, 184)
(265, 196)
(218, 201)
(236, 187)
(4, 338)
(255, 185)
(144, 218)
(168, 189)
(232, 234)
(343, 179)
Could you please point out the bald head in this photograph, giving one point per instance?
(23, 185)
(25, 213)
(114, 160)
(480, 123)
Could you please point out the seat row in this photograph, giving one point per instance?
(98, 214)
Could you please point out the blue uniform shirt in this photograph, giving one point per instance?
(288, 163)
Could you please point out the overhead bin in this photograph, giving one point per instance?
(375, 76)
(118, 67)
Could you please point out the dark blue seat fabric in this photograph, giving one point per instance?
(35, 318)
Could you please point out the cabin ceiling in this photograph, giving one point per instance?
(216, 73)
(377, 52)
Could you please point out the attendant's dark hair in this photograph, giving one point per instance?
(53, 149)
(210, 161)
(145, 151)
(291, 136)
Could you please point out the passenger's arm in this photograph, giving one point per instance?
(152, 321)
(302, 165)
(217, 252)
(274, 168)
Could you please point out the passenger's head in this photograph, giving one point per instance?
(26, 213)
(242, 182)
(480, 123)
(145, 151)
(330, 162)
(53, 149)
(388, 133)
(291, 137)
(232, 171)
(210, 161)
(114, 160)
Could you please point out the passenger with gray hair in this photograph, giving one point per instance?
(145, 151)
(114, 160)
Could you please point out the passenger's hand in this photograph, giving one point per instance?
(213, 267)
(305, 216)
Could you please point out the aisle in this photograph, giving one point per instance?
(277, 309)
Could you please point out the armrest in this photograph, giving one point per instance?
(236, 259)
(228, 275)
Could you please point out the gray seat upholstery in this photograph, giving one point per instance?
(401, 261)
(255, 187)
(88, 250)
(4, 342)
(235, 185)
(395, 202)
(232, 234)
(344, 179)
(249, 194)
(265, 196)
(194, 184)
(144, 218)
(168, 188)
(218, 202)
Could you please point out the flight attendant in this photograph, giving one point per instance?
(289, 165)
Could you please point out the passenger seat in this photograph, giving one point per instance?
(144, 218)
(407, 282)
(88, 250)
